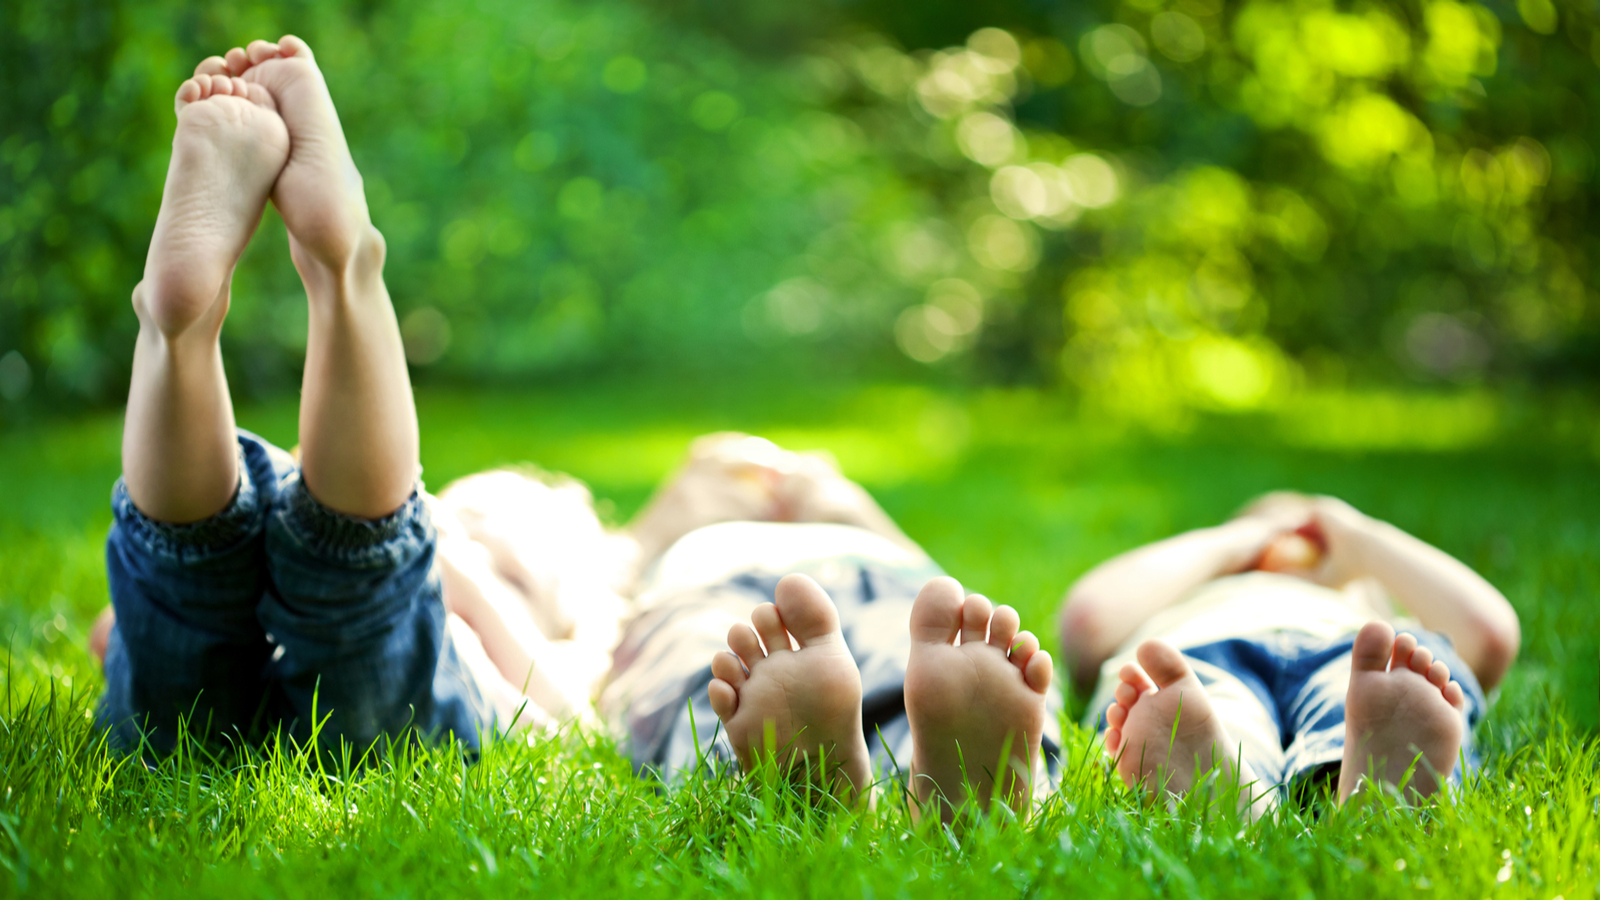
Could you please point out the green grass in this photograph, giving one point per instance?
(1015, 493)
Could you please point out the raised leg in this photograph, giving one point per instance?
(358, 423)
(179, 448)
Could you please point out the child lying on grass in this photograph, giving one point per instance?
(1274, 635)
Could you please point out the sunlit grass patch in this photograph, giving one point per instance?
(1015, 492)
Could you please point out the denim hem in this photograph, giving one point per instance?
(238, 520)
(334, 535)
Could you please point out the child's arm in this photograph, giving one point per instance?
(1440, 590)
(1108, 604)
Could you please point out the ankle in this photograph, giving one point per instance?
(340, 267)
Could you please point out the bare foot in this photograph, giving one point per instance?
(1401, 703)
(320, 192)
(976, 707)
(801, 705)
(228, 150)
(1163, 732)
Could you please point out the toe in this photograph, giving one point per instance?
(1003, 627)
(1023, 649)
(188, 92)
(936, 614)
(1039, 670)
(221, 86)
(1132, 675)
(975, 613)
(1404, 646)
(806, 610)
(742, 641)
(769, 624)
(240, 87)
(727, 667)
(1455, 695)
(261, 51)
(1163, 661)
(1439, 674)
(1421, 660)
(1113, 740)
(1373, 648)
(289, 45)
(212, 65)
(237, 61)
(1127, 695)
(1116, 715)
(724, 699)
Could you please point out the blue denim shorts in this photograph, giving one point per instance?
(279, 612)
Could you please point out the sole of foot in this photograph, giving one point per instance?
(788, 690)
(975, 697)
(320, 193)
(1402, 712)
(229, 148)
(1162, 730)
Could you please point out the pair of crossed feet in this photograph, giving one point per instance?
(256, 123)
(790, 691)
(1164, 733)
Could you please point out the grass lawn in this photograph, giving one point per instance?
(1014, 493)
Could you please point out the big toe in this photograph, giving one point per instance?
(936, 614)
(1162, 661)
(1373, 647)
(807, 611)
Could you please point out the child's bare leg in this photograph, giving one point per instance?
(179, 450)
(358, 424)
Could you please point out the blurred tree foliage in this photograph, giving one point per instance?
(1167, 203)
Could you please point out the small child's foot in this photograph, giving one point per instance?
(229, 147)
(320, 193)
(1162, 729)
(976, 707)
(800, 705)
(1401, 703)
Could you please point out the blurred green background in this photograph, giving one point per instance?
(1164, 206)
